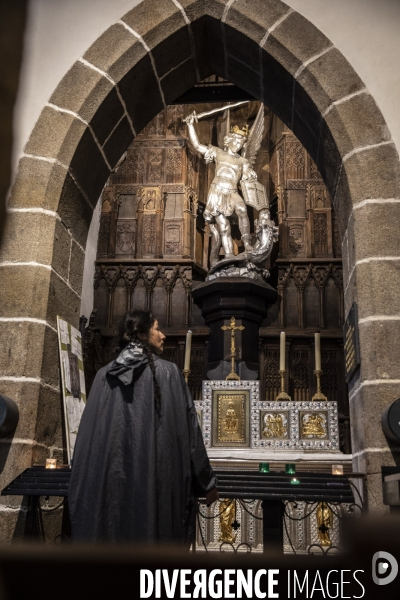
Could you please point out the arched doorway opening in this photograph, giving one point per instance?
(152, 55)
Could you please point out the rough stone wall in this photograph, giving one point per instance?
(153, 54)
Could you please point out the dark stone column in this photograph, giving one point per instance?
(246, 300)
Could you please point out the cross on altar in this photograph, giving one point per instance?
(233, 327)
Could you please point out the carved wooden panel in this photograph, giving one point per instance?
(295, 159)
(139, 296)
(135, 166)
(290, 305)
(296, 203)
(271, 373)
(126, 237)
(174, 165)
(119, 301)
(172, 238)
(320, 234)
(170, 353)
(300, 374)
(311, 305)
(101, 297)
(332, 305)
(156, 127)
(159, 302)
(149, 234)
(196, 372)
(155, 161)
(297, 241)
(179, 308)
(104, 235)
(175, 116)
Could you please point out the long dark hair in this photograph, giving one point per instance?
(137, 323)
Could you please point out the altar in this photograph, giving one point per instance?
(275, 461)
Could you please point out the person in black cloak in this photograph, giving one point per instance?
(139, 458)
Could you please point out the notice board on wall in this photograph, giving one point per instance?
(72, 380)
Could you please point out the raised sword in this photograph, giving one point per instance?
(214, 110)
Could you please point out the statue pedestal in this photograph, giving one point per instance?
(246, 300)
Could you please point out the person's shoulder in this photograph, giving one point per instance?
(102, 372)
(165, 364)
(167, 367)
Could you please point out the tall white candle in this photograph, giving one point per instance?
(317, 351)
(188, 350)
(282, 351)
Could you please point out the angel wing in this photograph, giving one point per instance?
(225, 126)
(254, 141)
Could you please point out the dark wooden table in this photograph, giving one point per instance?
(272, 488)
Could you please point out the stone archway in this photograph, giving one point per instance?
(153, 54)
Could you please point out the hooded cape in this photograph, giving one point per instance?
(135, 472)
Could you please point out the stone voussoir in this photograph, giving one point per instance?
(82, 90)
(179, 81)
(24, 291)
(26, 395)
(28, 237)
(244, 49)
(63, 301)
(367, 407)
(328, 78)
(373, 222)
(61, 249)
(56, 135)
(255, 17)
(155, 21)
(195, 9)
(115, 52)
(248, 79)
(369, 173)
(295, 41)
(21, 356)
(75, 211)
(202, 47)
(49, 418)
(93, 179)
(38, 184)
(379, 349)
(356, 123)
(140, 91)
(75, 275)
(378, 284)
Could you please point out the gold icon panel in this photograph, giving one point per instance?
(274, 425)
(231, 418)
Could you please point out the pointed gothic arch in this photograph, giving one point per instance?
(153, 54)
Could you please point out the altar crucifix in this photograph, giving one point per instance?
(233, 327)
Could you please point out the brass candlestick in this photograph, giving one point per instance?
(186, 373)
(282, 394)
(233, 328)
(318, 395)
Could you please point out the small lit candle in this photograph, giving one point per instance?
(337, 469)
(188, 350)
(317, 351)
(51, 463)
(295, 481)
(283, 351)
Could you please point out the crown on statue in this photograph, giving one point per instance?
(244, 131)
